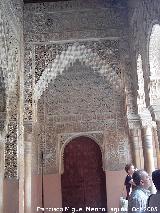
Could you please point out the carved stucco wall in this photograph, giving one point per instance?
(76, 61)
(84, 100)
(101, 20)
(73, 19)
(10, 45)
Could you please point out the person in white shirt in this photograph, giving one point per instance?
(137, 202)
(153, 203)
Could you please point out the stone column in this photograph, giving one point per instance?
(136, 148)
(27, 187)
(155, 112)
(147, 142)
(158, 131)
(135, 139)
(156, 146)
(148, 149)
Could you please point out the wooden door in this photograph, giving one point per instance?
(83, 181)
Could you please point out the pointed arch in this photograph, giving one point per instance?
(65, 60)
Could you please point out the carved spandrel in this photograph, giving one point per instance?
(97, 136)
(117, 150)
(64, 139)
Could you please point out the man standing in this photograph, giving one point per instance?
(129, 168)
(138, 199)
(153, 204)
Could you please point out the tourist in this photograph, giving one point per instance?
(138, 199)
(129, 168)
(153, 203)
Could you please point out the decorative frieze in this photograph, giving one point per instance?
(75, 35)
(74, 20)
(72, 5)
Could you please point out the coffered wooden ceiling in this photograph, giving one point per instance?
(40, 1)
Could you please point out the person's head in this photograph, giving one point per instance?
(156, 179)
(129, 168)
(141, 178)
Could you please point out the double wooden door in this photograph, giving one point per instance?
(83, 181)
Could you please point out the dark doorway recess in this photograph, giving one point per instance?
(83, 180)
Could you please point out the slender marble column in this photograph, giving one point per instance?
(136, 148)
(148, 149)
(158, 131)
(155, 112)
(156, 147)
(28, 157)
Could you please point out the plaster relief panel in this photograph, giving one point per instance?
(81, 99)
(10, 46)
(117, 149)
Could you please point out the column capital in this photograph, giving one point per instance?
(27, 147)
(147, 137)
(27, 126)
(27, 130)
(134, 121)
(147, 123)
(155, 111)
(146, 119)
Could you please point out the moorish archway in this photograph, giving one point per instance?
(83, 181)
